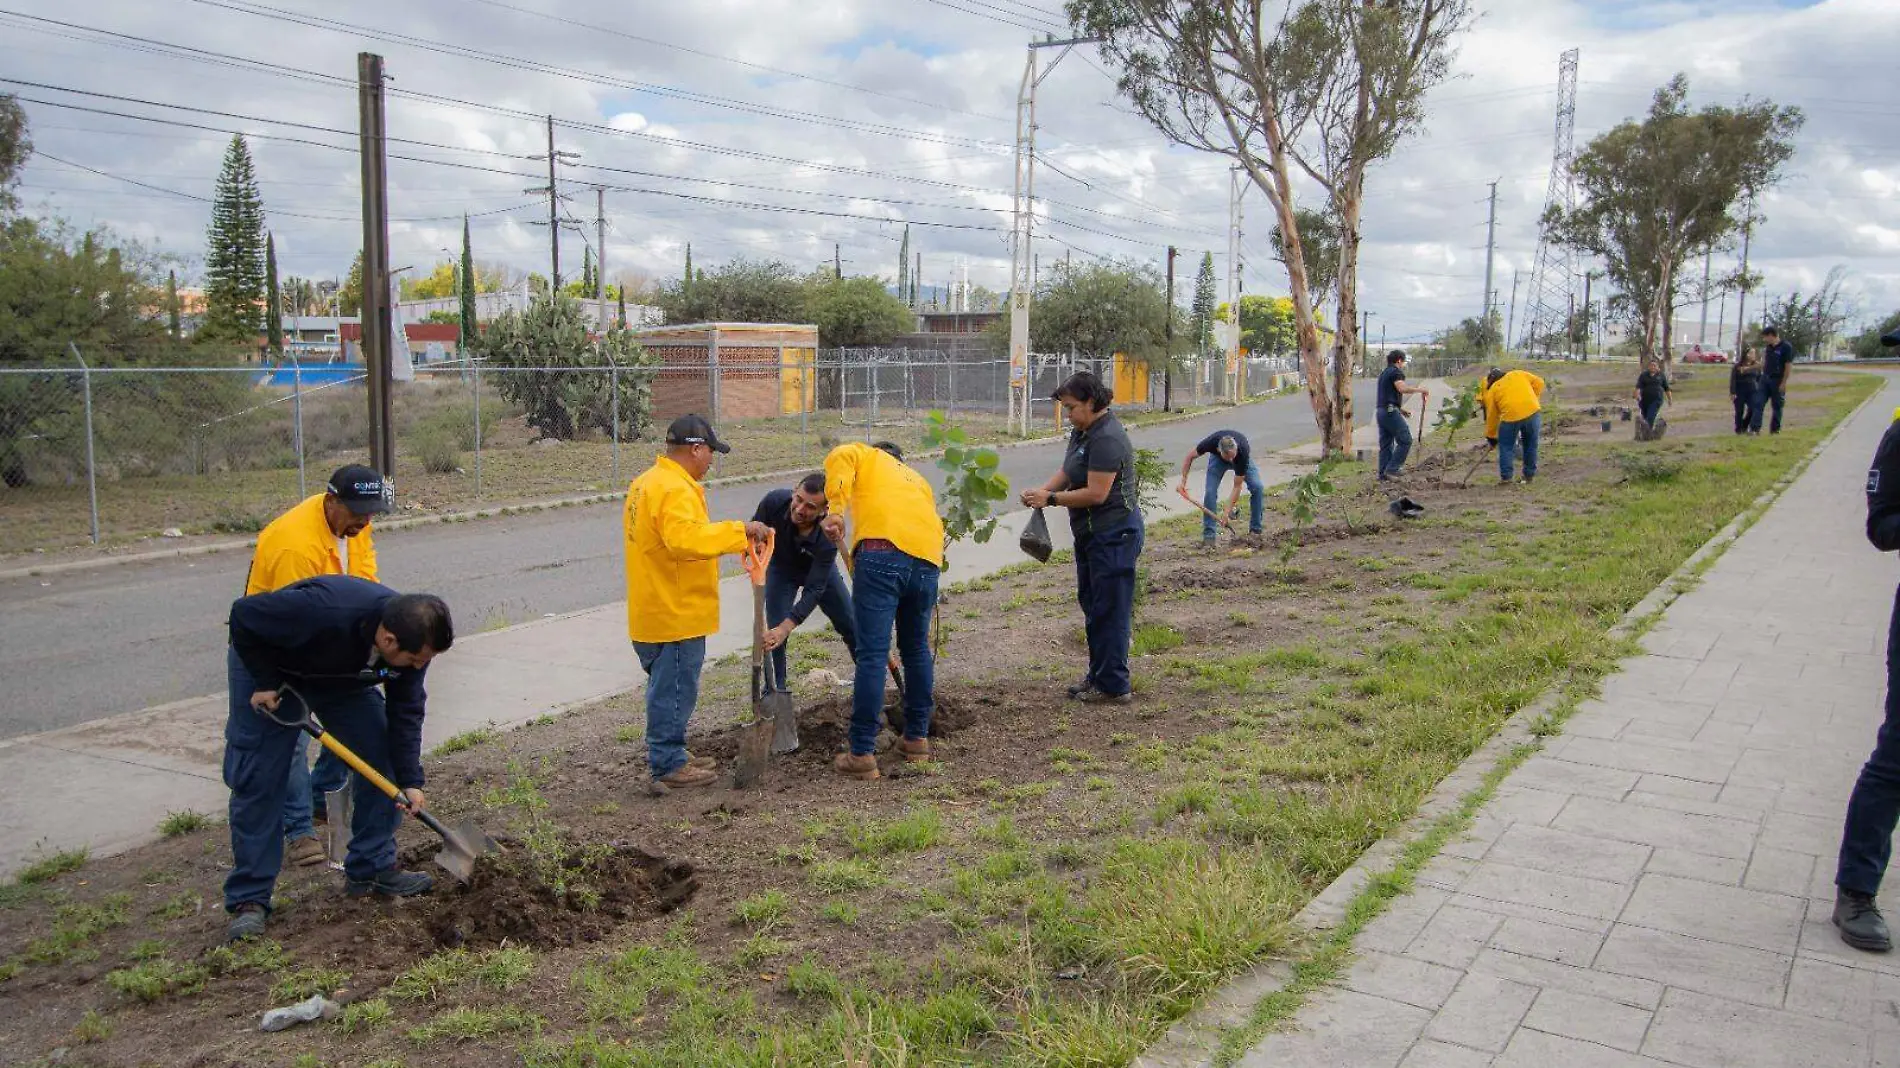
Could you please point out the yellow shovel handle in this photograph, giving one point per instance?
(358, 765)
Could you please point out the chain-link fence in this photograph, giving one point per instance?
(100, 451)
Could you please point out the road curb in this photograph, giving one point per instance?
(1195, 1038)
(183, 552)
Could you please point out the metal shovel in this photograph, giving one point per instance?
(460, 845)
(774, 719)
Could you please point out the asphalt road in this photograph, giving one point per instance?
(89, 644)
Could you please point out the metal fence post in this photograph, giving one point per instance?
(712, 370)
(296, 433)
(478, 429)
(870, 411)
(613, 385)
(92, 468)
(953, 384)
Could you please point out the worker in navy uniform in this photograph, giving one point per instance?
(1395, 437)
(803, 575)
(1874, 807)
(1776, 362)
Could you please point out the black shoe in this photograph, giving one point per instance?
(391, 882)
(1093, 696)
(1860, 921)
(1080, 687)
(247, 922)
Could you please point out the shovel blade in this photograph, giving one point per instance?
(460, 846)
(755, 748)
(778, 708)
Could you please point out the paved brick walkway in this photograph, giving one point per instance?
(1654, 888)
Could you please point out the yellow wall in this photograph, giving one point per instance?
(798, 389)
(1131, 381)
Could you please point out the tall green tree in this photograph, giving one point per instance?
(1316, 92)
(621, 316)
(273, 299)
(686, 280)
(1100, 309)
(1319, 243)
(739, 291)
(236, 289)
(349, 300)
(466, 292)
(1657, 192)
(1867, 346)
(1266, 325)
(1206, 298)
(856, 312)
(15, 147)
(1808, 320)
(173, 325)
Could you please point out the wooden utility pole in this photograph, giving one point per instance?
(600, 255)
(376, 310)
(1167, 359)
(554, 222)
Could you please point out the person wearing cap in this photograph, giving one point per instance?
(673, 551)
(803, 574)
(353, 653)
(326, 534)
(1776, 361)
(896, 547)
(1395, 436)
(1227, 450)
(1513, 417)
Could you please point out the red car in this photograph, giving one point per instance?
(1698, 354)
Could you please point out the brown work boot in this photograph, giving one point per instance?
(305, 851)
(851, 766)
(689, 775)
(914, 750)
(700, 762)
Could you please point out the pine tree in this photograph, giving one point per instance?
(587, 271)
(235, 284)
(172, 310)
(903, 266)
(1205, 300)
(273, 299)
(466, 291)
(686, 286)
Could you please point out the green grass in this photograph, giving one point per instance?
(841, 876)
(185, 903)
(155, 980)
(75, 925)
(177, 824)
(360, 1016)
(842, 913)
(762, 912)
(307, 983)
(51, 866)
(916, 830)
(92, 1027)
(465, 741)
(467, 1025)
(496, 969)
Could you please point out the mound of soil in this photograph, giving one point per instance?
(507, 902)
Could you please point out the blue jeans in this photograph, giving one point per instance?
(672, 692)
(1105, 588)
(1395, 443)
(308, 786)
(781, 591)
(1874, 807)
(1650, 409)
(1769, 396)
(257, 756)
(1218, 469)
(1509, 435)
(892, 588)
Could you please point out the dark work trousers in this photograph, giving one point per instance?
(1770, 395)
(1105, 588)
(1742, 404)
(1395, 442)
(257, 755)
(781, 592)
(1874, 807)
(1650, 409)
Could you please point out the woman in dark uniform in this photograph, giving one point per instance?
(1097, 485)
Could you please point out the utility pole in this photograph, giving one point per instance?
(1589, 312)
(1490, 254)
(916, 283)
(1570, 328)
(554, 157)
(600, 255)
(1234, 219)
(376, 278)
(1023, 225)
(1167, 358)
(1702, 331)
(1741, 303)
(1365, 327)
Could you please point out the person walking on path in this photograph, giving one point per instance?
(1097, 484)
(1513, 415)
(896, 545)
(1873, 809)
(673, 551)
(358, 652)
(1227, 450)
(327, 534)
(1395, 437)
(1744, 392)
(1652, 390)
(803, 574)
(1777, 361)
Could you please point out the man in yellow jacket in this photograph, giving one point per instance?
(327, 534)
(1513, 415)
(673, 551)
(896, 546)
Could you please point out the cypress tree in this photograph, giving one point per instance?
(1206, 298)
(235, 284)
(172, 310)
(686, 287)
(466, 290)
(273, 299)
(903, 267)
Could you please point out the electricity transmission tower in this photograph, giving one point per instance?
(1554, 278)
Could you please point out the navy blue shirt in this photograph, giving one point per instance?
(321, 633)
(1104, 446)
(1389, 395)
(1210, 446)
(808, 561)
(1774, 362)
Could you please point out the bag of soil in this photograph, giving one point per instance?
(1035, 540)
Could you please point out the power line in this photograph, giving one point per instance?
(999, 15)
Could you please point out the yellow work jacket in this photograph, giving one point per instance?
(883, 498)
(299, 545)
(673, 551)
(1510, 399)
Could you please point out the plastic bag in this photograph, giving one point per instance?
(1035, 540)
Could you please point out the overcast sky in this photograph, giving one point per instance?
(689, 100)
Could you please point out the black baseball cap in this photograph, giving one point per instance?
(695, 430)
(362, 490)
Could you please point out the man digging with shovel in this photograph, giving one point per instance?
(358, 651)
(673, 551)
(1227, 450)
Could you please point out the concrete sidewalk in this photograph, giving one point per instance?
(1654, 888)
